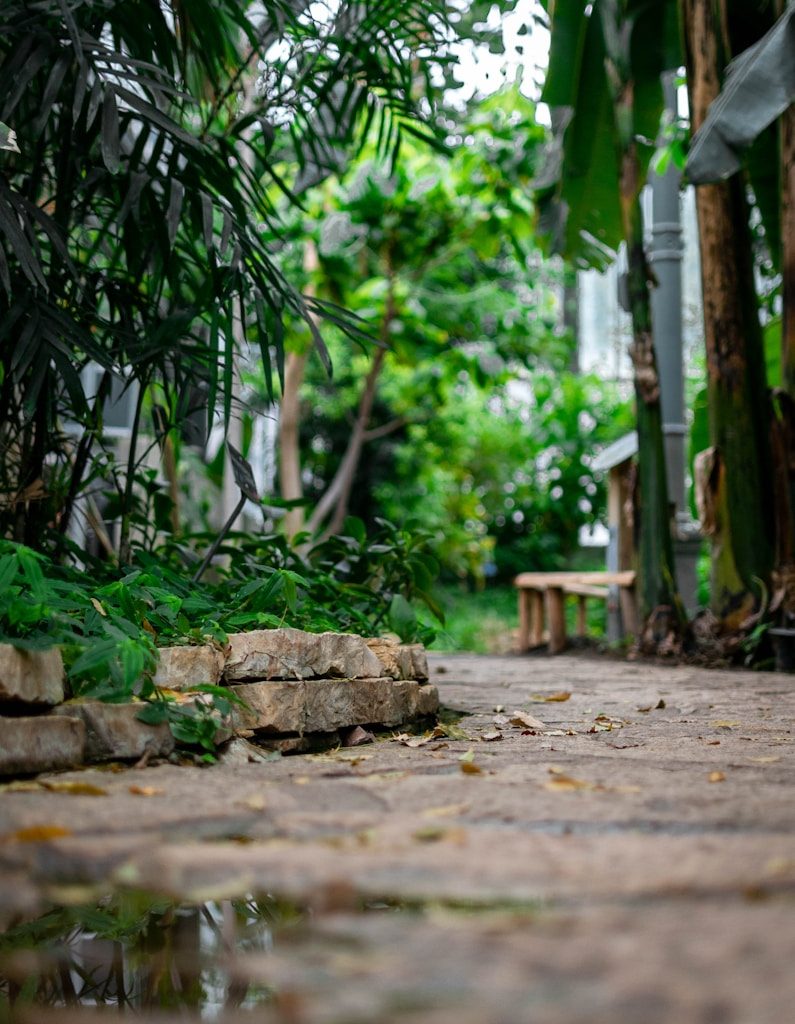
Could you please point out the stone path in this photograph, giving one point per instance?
(626, 854)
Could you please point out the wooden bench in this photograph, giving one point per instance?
(544, 593)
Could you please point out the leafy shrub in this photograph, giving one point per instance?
(109, 622)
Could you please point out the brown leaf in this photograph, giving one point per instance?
(490, 735)
(653, 707)
(552, 698)
(524, 721)
(145, 790)
(470, 768)
(74, 788)
(98, 606)
(561, 782)
(717, 777)
(413, 741)
(722, 724)
(40, 833)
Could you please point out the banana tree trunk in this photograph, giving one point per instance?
(656, 570)
(740, 482)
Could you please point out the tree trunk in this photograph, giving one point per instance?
(656, 571)
(738, 399)
(290, 484)
(335, 500)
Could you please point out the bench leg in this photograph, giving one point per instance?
(536, 618)
(582, 619)
(525, 619)
(629, 610)
(556, 615)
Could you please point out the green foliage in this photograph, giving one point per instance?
(109, 625)
(138, 211)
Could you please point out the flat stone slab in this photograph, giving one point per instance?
(400, 661)
(183, 668)
(113, 731)
(294, 654)
(35, 677)
(324, 705)
(593, 841)
(43, 743)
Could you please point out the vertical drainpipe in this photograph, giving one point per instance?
(665, 257)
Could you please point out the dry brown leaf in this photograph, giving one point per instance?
(500, 720)
(717, 776)
(74, 788)
(552, 698)
(98, 606)
(522, 720)
(470, 768)
(145, 790)
(490, 735)
(413, 741)
(724, 725)
(301, 780)
(653, 707)
(40, 833)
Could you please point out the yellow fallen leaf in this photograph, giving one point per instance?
(435, 834)
(561, 782)
(22, 786)
(74, 788)
(413, 741)
(254, 803)
(552, 698)
(470, 768)
(717, 776)
(40, 833)
(145, 790)
(445, 811)
(302, 780)
(724, 725)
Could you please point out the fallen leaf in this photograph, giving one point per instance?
(254, 803)
(765, 760)
(74, 788)
(445, 811)
(470, 768)
(562, 782)
(499, 708)
(565, 783)
(301, 780)
(451, 731)
(724, 725)
(524, 721)
(22, 786)
(559, 732)
(653, 707)
(500, 719)
(40, 834)
(552, 698)
(413, 741)
(717, 777)
(98, 606)
(435, 834)
(490, 735)
(145, 790)
(468, 755)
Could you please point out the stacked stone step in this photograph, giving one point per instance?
(294, 685)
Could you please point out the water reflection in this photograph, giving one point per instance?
(135, 953)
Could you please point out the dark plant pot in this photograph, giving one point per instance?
(783, 648)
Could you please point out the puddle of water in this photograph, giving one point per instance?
(135, 953)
